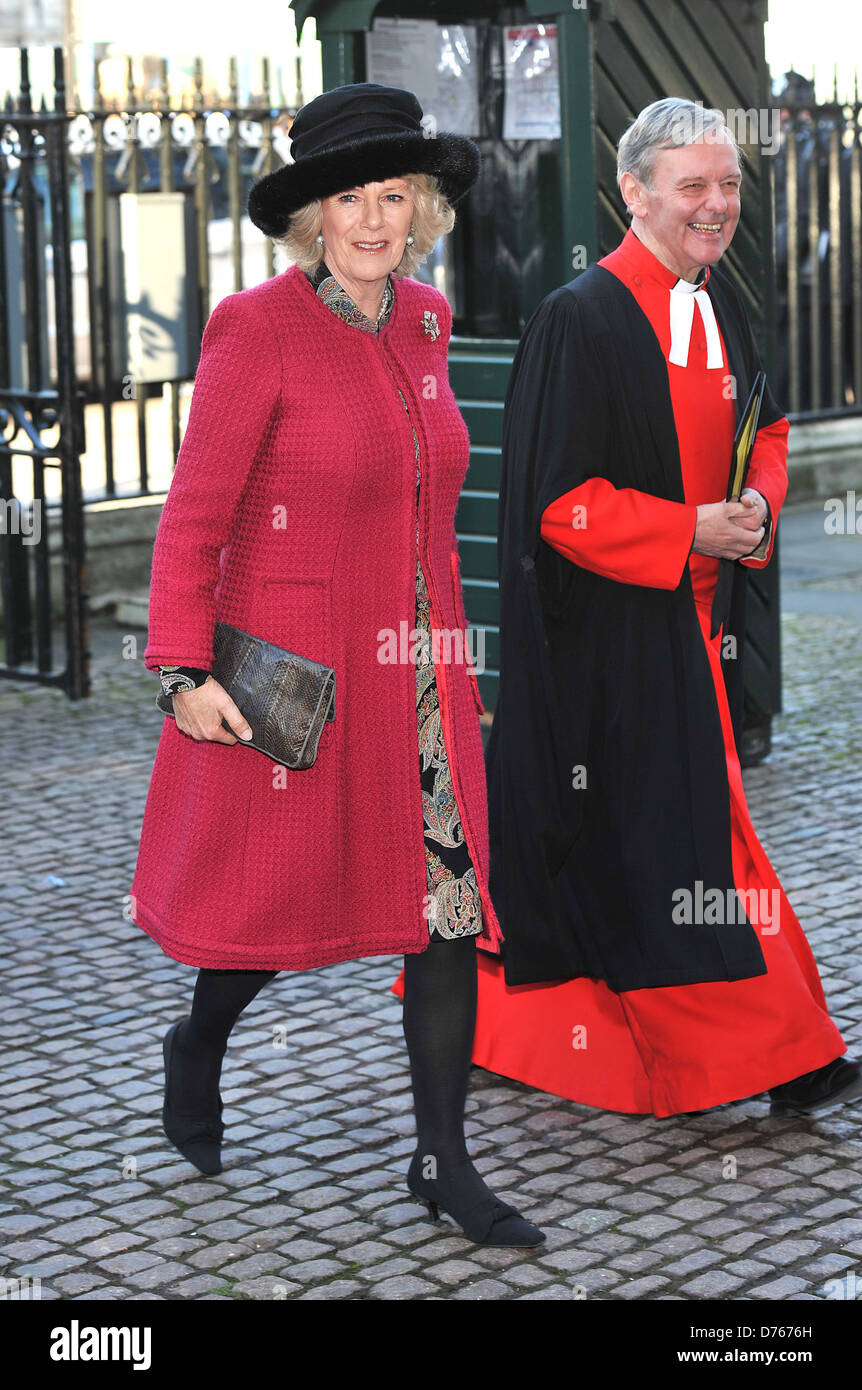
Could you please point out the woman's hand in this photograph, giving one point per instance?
(729, 530)
(199, 713)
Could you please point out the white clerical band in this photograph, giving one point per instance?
(683, 297)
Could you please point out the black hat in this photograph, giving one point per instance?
(361, 133)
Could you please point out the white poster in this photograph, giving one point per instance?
(457, 103)
(532, 85)
(437, 63)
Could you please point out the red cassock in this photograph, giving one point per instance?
(686, 1047)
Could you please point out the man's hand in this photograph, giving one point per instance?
(729, 530)
(199, 713)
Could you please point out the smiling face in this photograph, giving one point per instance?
(688, 216)
(365, 232)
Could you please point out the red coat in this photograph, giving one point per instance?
(291, 515)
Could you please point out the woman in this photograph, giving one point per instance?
(313, 506)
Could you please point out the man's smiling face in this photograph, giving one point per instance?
(689, 213)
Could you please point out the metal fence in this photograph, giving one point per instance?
(818, 256)
(67, 311)
(41, 422)
(210, 154)
(210, 151)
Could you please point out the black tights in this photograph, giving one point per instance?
(219, 999)
(440, 988)
(439, 1020)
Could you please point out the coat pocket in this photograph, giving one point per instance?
(296, 614)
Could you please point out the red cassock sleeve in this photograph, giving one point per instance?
(767, 474)
(622, 533)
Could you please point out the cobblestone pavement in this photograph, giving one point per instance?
(312, 1205)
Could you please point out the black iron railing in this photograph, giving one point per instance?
(41, 425)
(817, 175)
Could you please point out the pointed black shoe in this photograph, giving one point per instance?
(198, 1137)
(838, 1081)
(486, 1222)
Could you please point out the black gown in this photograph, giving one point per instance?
(600, 673)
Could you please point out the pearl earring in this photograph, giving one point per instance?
(410, 238)
(320, 238)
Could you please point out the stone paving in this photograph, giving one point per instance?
(96, 1204)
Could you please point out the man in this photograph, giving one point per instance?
(652, 961)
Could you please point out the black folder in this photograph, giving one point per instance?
(743, 440)
(743, 444)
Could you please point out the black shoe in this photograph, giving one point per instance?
(818, 1090)
(487, 1221)
(198, 1137)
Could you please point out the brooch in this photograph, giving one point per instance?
(430, 324)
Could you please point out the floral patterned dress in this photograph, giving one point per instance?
(453, 907)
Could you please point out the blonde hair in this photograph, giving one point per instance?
(432, 218)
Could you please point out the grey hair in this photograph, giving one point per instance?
(666, 125)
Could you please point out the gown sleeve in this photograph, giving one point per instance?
(622, 533)
(767, 474)
(557, 434)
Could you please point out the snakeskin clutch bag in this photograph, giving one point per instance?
(286, 698)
